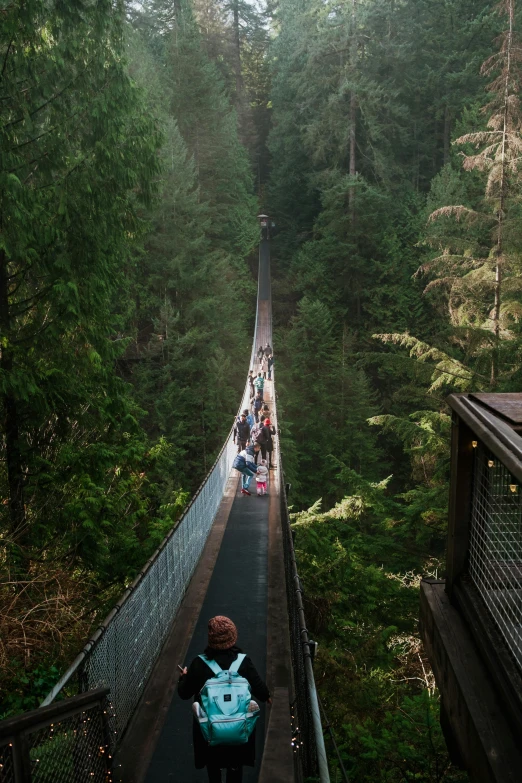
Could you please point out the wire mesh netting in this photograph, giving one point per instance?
(303, 735)
(70, 750)
(495, 554)
(123, 657)
(126, 652)
(7, 771)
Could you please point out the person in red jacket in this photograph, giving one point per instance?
(222, 638)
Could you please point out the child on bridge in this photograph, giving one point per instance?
(262, 477)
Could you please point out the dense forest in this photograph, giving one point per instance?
(138, 142)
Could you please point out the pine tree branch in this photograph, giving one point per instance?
(6, 57)
(50, 100)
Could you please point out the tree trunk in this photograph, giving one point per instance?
(353, 113)
(237, 54)
(447, 134)
(502, 202)
(13, 456)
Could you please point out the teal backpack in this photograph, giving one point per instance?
(227, 715)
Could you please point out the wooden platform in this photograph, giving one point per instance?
(506, 405)
(477, 730)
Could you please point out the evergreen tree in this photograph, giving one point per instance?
(78, 153)
(471, 276)
(192, 285)
(327, 402)
(208, 125)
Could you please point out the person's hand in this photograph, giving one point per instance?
(185, 671)
(269, 701)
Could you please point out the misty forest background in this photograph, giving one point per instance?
(138, 142)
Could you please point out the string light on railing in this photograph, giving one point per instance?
(513, 487)
(491, 464)
(474, 443)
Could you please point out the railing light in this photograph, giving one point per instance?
(474, 443)
(513, 487)
(490, 463)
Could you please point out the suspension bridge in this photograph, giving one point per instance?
(115, 715)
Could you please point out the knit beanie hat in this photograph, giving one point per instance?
(222, 633)
(267, 422)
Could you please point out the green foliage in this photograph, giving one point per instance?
(85, 155)
(125, 304)
(360, 564)
(191, 285)
(407, 745)
(327, 402)
(30, 688)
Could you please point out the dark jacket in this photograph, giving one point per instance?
(191, 684)
(269, 431)
(242, 430)
(268, 350)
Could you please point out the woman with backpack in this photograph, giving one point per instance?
(258, 437)
(202, 681)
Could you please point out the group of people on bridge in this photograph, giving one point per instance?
(253, 430)
(223, 680)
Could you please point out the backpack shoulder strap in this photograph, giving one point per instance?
(234, 666)
(216, 668)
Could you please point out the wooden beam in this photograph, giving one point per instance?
(459, 502)
(489, 750)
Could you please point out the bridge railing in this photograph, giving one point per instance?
(67, 742)
(484, 563)
(123, 650)
(307, 731)
(495, 545)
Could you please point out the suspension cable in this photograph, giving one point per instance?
(328, 726)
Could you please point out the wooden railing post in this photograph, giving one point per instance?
(460, 501)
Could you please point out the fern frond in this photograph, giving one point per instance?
(458, 212)
(475, 138)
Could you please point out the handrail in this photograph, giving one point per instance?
(44, 715)
(101, 629)
(69, 741)
(294, 580)
(322, 761)
(130, 589)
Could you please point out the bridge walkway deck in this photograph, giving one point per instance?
(240, 575)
